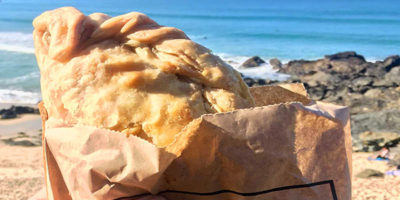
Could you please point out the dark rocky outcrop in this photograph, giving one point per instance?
(275, 63)
(370, 89)
(375, 141)
(14, 111)
(258, 82)
(393, 76)
(378, 121)
(390, 62)
(254, 61)
(345, 55)
(8, 114)
(348, 79)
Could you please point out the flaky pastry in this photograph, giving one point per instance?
(129, 74)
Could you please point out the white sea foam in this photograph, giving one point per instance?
(264, 71)
(17, 96)
(233, 60)
(16, 42)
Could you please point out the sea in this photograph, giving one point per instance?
(232, 29)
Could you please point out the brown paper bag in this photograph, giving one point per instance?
(286, 148)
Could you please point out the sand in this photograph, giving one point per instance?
(27, 123)
(384, 188)
(21, 169)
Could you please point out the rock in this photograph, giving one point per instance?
(311, 84)
(373, 93)
(321, 78)
(372, 100)
(374, 70)
(361, 69)
(364, 105)
(393, 76)
(260, 82)
(317, 93)
(275, 63)
(249, 81)
(23, 109)
(8, 114)
(390, 62)
(345, 56)
(305, 67)
(254, 61)
(345, 67)
(392, 143)
(382, 83)
(370, 90)
(395, 156)
(379, 121)
(13, 111)
(2, 111)
(361, 84)
(374, 141)
(298, 67)
(369, 173)
(362, 81)
(336, 95)
(392, 94)
(346, 62)
(270, 82)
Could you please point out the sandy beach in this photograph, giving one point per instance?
(27, 123)
(385, 188)
(21, 169)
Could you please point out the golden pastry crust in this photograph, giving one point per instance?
(129, 74)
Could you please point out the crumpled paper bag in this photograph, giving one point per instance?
(288, 147)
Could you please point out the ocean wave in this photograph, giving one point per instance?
(234, 60)
(33, 75)
(18, 49)
(17, 96)
(237, 60)
(264, 71)
(16, 42)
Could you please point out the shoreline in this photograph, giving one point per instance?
(28, 123)
(265, 71)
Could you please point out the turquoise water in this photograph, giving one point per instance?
(233, 29)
